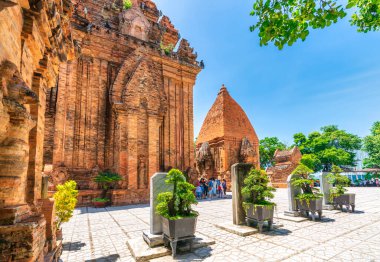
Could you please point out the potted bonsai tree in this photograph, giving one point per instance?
(178, 218)
(257, 196)
(337, 193)
(309, 200)
(65, 199)
(106, 180)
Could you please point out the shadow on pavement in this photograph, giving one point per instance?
(110, 258)
(73, 246)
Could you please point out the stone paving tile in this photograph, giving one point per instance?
(179, 258)
(101, 234)
(356, 256)
(277, 253)
(232, 255)
(325, 251)
(304, 258)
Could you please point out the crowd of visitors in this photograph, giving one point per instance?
(211, 188)
(373, 182)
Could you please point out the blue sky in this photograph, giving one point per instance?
(331, 78)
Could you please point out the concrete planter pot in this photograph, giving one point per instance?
(345, 200)
(313, 207)
(260, 214)
(100, 204)
(180, 228)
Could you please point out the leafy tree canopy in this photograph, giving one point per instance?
(331, 146)
(311, 161)
(268, 146)
(371, 145)
(283, 22)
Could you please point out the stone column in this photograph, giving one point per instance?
(14, 136)
(292, 193)
(238, 173)
(325, 190)
(36, 141)
(157, 186)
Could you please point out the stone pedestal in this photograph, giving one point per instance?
(292, 193)
(142, 252)
(238, 173)
(153, 240)
(239, 230)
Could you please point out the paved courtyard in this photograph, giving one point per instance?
(101, 234)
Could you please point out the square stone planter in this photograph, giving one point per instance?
(180, 228)
(345, 200)
(313, 207)
(260, 214)
(100, 204)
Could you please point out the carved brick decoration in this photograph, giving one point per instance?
(286, 162)
(35, 39)
(124, 104)
(226, 134)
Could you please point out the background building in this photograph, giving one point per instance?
(226, 137)
(285, 163)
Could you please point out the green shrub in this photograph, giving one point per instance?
(127, 4)
(176, 204)
(256, 190)
(340, 181)
(305, 182)
(101, 200)
(65, 200)
(167, 48)
(106, 180)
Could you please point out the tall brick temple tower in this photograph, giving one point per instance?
(125, 104)
(226, 137)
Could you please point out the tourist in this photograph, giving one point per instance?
(210, 188)
(214, 187)
(224, 185)
(220, 191)
(218, 186)
(199, 191)
(205, 188)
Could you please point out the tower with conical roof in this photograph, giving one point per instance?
(226, 137)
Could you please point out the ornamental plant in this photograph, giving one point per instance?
(340, 181)
(65, 200)
(256, 190)
(167, 48)
(127, 4)
(106, 180)
(305, 182)
(176, 204)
